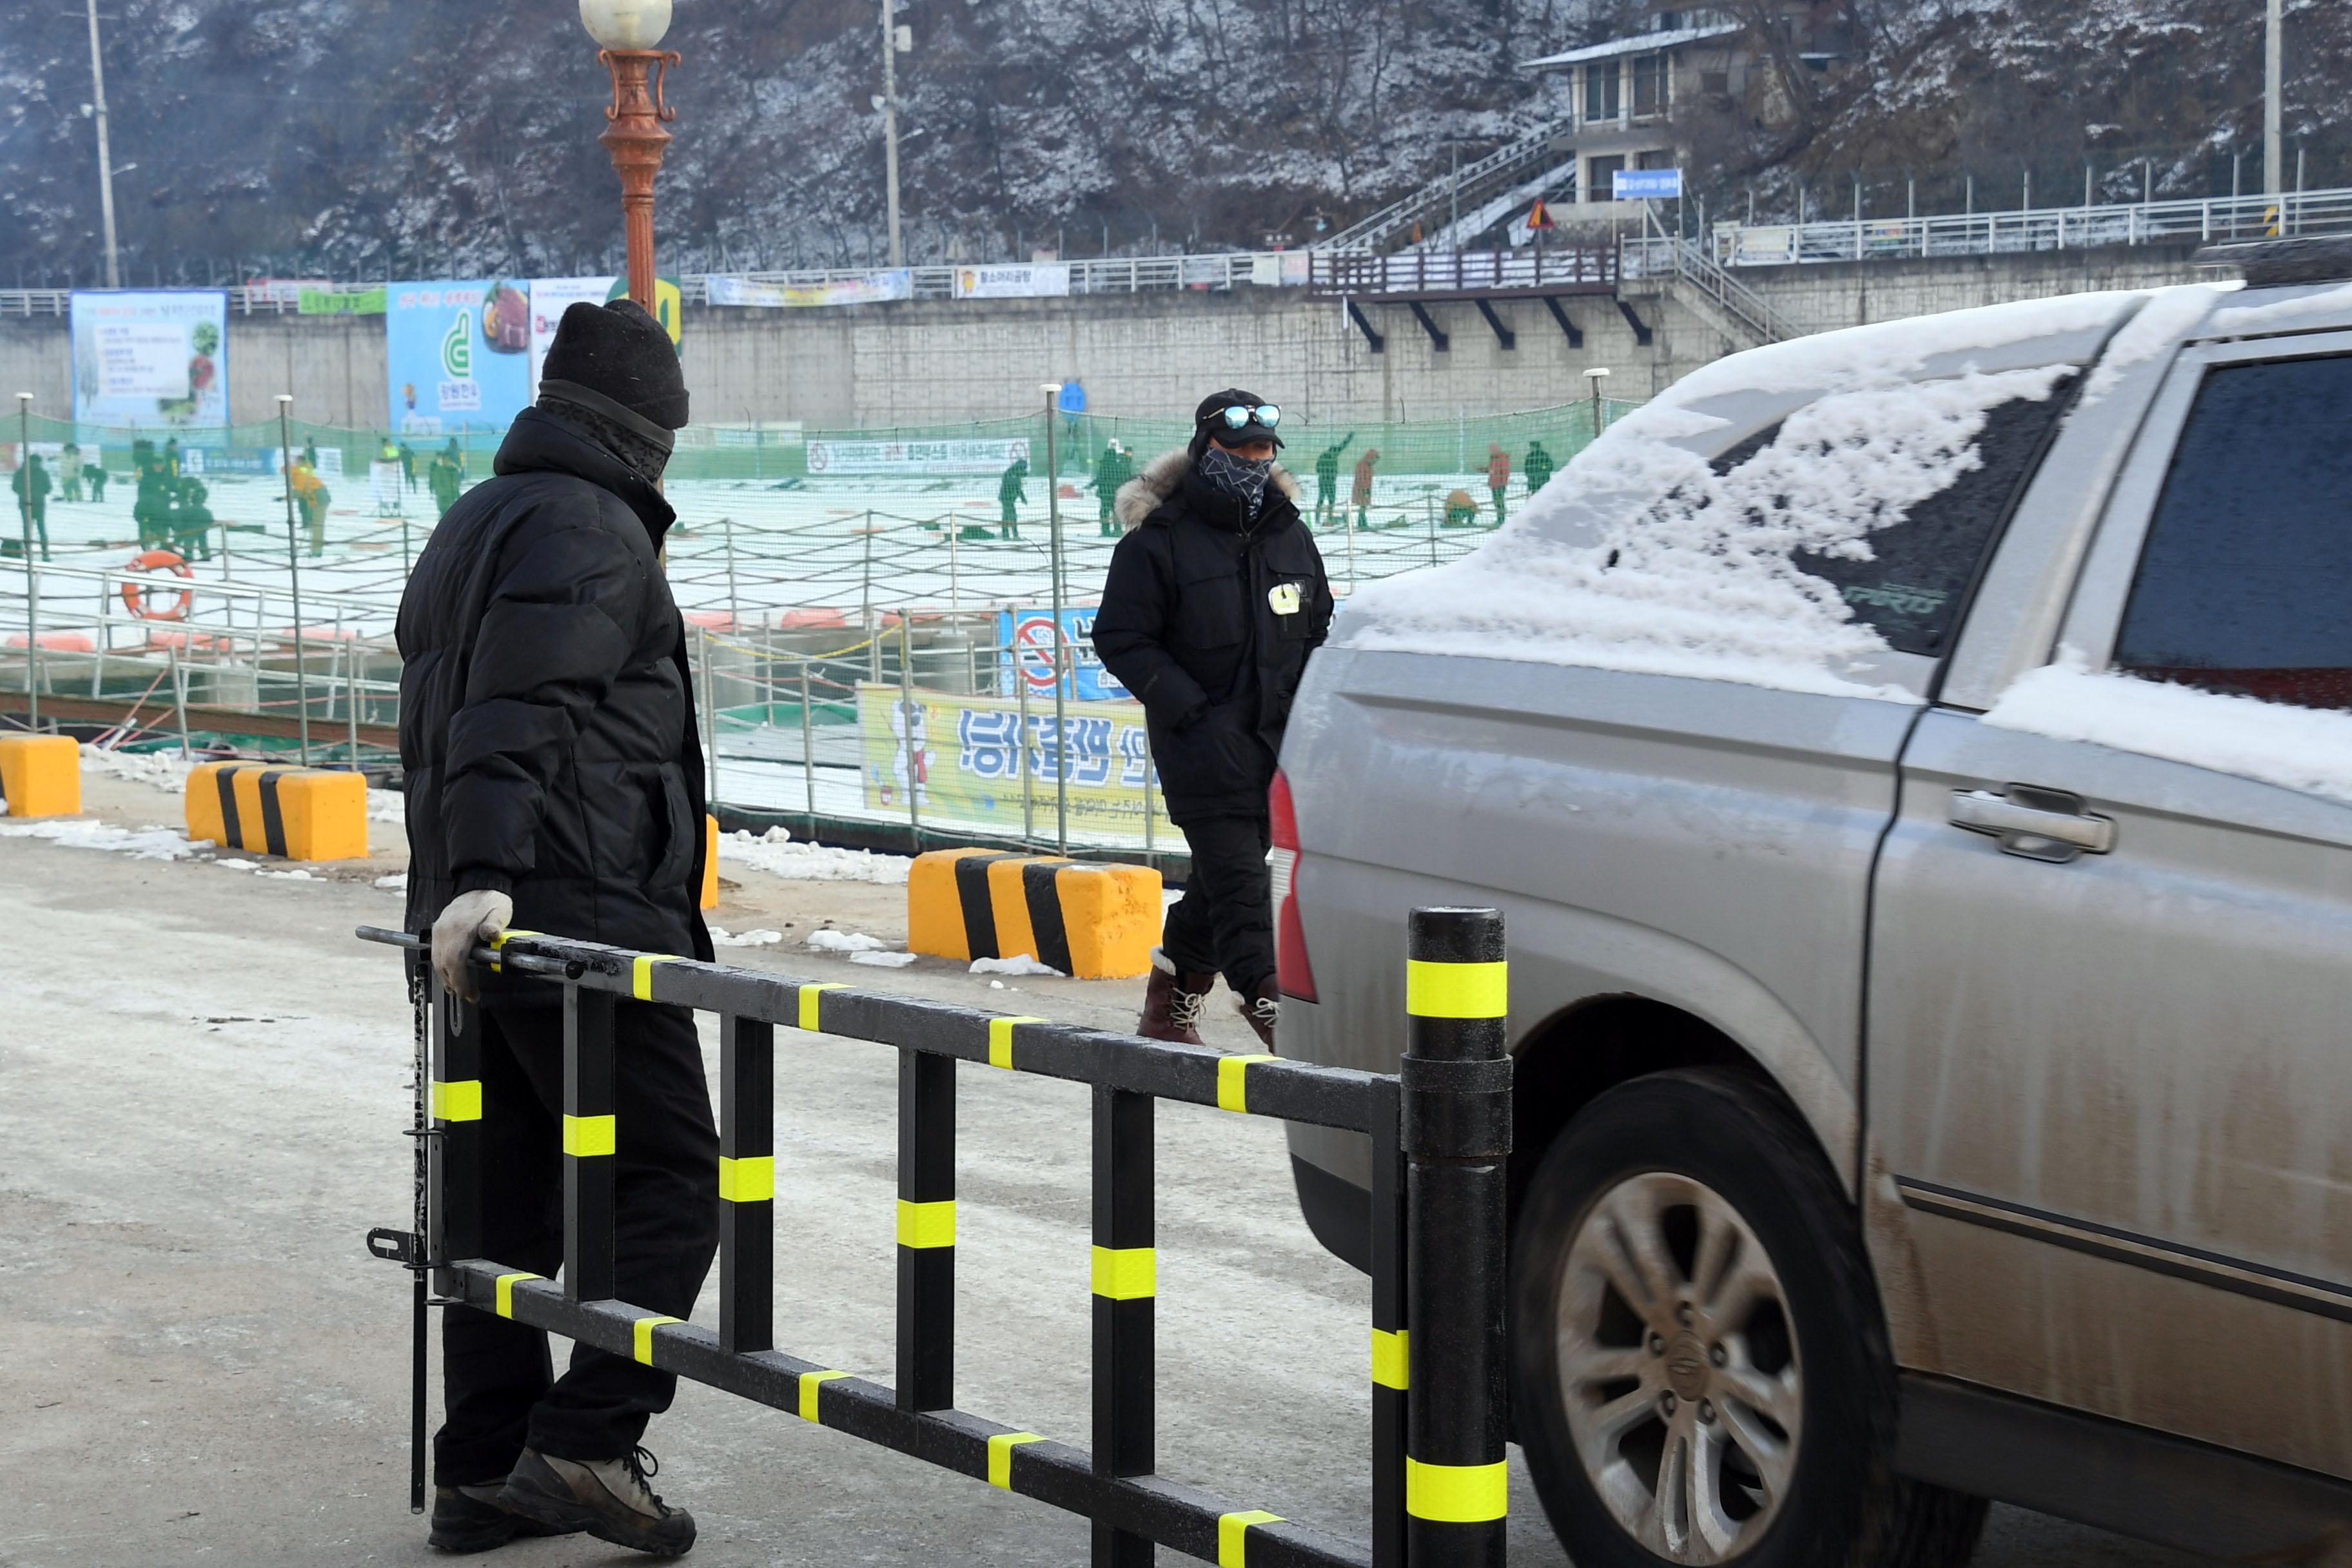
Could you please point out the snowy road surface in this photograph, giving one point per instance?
(202, 1085)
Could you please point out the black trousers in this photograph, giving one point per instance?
(497, 1377)
(1224, 922)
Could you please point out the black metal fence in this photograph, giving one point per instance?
(1440, 1133)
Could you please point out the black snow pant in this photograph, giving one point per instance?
(1224, 922)
(500, 1394)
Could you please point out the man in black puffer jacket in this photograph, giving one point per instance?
(554, 783)
(1216, 597)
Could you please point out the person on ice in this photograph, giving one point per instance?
(1326, 482)
(1009, 493)
(1362, 494)
(554, 781)
(1112, 469)
(31, 484)
(1215, 598)
(1538, 468)
(1498, 479)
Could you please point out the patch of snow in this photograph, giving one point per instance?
(761, 938)
(996, 986)
(387, 805)
(1650, 561)
(775, 853)
(2275, 742)
(883, 960)
(235, 865)
(845, 942)
(150, 843)
(1020, 964)
(163, 770)
(397, 881)
(2170, 315)
(296, 875)
(2280, 314)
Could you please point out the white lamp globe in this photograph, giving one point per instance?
(626, 24)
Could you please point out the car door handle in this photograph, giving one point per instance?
(2039, 824)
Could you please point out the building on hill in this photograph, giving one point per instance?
(1628, 92)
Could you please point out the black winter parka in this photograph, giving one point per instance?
(1207, 617)
(546, 711)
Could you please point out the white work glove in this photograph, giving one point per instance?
(471, 919)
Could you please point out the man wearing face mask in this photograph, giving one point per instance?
(554, 783)
(1216, 595)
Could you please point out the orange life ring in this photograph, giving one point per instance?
(137, 598)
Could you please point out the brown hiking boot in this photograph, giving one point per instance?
(1173, 1003)
(1260, 1008)
(609, 1499)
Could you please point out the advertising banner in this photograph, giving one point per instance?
(1767, 247)
(1030, 281)
(966, 757)
(1030, 633)
(151, 359)
(1646, 185)
(915, 457)
(550, 298)
(869, 288)
(284, 291)
(456, 355)
(341, 302)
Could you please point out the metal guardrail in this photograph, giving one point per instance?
(1566, 269)
(1657, 254)
(2196, 221)
(1440, 1132)
(1499, 166)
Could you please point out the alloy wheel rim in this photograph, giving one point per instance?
(1677, 1367)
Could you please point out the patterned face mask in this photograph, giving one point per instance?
(1229, 473)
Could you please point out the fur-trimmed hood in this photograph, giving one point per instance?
(1141, 495)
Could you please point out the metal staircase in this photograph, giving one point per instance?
(1686, 263)
(1474, 183)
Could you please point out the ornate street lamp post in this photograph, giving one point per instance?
(626, 32)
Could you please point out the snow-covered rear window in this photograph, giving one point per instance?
(2245, 582)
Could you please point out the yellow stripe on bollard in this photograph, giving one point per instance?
(1000, 1040)
(1233, 1082)
(1000, 1456)
(1457, 1494)
(751, 1180)
(927, 1224)
(811, 1000)
(458, 1099)
(1391, 1364)
(641, 1336)
(1456, 990)
(641, 973)
(589, 1136)
(809, 1383)
(1232, 1535)
(499, 944)
(506, 1291)
(1127, 1273)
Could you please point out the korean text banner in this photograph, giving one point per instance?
(456, 355)
(1030, 281)
(550, 298)
(969, 759)
(868, 288)
(915, 457)
(1030, 634)
(149, 359)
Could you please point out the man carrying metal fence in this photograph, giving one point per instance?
(1216, 597)
(555, 780)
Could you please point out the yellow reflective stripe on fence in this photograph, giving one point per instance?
(1233, 1082)
(1457, 1494)
(642, 1333)
(1127, 1273)
(1392, 1366)
(641, 973)
(1232, 1535)
(457, 1099)
(588, 1136)
(1000, 1456)
(506, 1291)
(747, 1181)
(927, 1224)
(498, 943)
(809, 1383)
(1456, 990)
(1000, 1040)
(810, 998)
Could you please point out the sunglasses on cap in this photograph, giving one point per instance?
(1240, 415)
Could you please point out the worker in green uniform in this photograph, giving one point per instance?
(151, 508)
(441, 474)
(408, 466)
(1326, 482)
(1009, 493)
(96, 473)
(1538, 468)
(1112, 469)
(192, 521)
(171, 457)
(31, 483)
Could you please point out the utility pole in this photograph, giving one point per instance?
(2273, 156)
(105, 157)
(894, 39)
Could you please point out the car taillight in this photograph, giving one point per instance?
(1292, 973)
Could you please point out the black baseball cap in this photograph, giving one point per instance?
(1209, 420)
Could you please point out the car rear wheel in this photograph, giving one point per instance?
(1702, 1374)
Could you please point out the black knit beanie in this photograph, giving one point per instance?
(620, 351)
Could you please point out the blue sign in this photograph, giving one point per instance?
(1030, 634)
(1648, 184)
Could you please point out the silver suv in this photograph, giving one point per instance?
(1916, 768)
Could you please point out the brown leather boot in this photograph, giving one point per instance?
(1262, 1006)
(1172, 1003)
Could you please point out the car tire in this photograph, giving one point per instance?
(1701, 1371)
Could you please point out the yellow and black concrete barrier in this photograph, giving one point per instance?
(1439, 1131)
(40, 775)
(299, 814)
(1096, 922)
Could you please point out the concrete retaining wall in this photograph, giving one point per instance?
(1146, 353)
